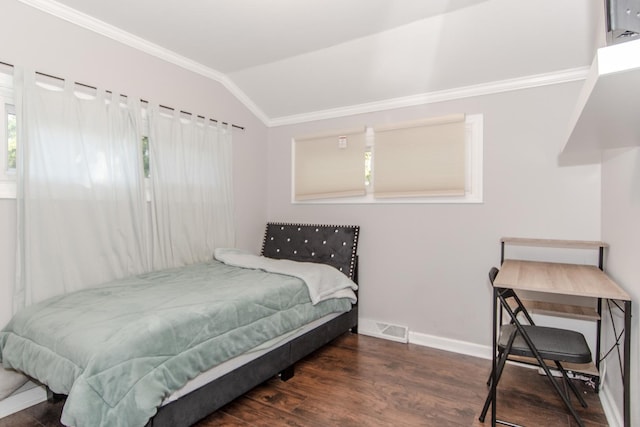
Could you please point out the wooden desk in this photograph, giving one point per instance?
(572, 280)
(556, 278)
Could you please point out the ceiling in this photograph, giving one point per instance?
(294, 59)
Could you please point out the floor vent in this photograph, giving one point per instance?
(384, 330)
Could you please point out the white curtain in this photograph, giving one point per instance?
(191, 197)
(81, 211)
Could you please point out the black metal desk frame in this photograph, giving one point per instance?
(626, 377)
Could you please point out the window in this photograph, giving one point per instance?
(420, 159)
(435, 160)
(145, 156)
(330, 165)
(8, 132)
(144, 129)
(12, 138)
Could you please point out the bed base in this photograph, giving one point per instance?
(196, 405)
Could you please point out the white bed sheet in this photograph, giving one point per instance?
(231, 364)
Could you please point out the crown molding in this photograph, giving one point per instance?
(88, 22)
(100, 27)
(527, 82)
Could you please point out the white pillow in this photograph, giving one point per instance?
(10, 381)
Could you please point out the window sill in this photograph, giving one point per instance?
(370, 200)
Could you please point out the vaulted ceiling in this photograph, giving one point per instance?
(291, 59)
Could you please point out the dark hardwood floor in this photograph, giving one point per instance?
(363, 381)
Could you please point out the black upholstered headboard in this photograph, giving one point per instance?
(335, 245)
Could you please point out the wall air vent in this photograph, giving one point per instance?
(384, 330)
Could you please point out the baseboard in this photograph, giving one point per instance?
(448, 344)
(614, 417)
(23, 400)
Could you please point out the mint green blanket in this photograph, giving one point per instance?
(118, 351)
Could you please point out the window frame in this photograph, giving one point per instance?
(474, 142)
(8, 186)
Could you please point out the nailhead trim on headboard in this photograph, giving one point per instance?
(335, 245)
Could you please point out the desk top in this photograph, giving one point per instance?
(554, 243)
(556, 278)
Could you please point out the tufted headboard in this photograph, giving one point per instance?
(335, 245)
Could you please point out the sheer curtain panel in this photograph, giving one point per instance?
(81, 205)
(191, 189)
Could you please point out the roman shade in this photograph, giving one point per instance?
(329, 165)
(420, 158)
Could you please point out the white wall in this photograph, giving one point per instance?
(425, 266)
(621, 229)
(47, 44)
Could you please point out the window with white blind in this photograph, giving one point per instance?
(434, 160)
(329, 166)
(420, 159)
(8, 132)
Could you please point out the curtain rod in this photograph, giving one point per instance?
(191, 114)
(142, 100)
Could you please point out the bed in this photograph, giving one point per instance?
(125, 377)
